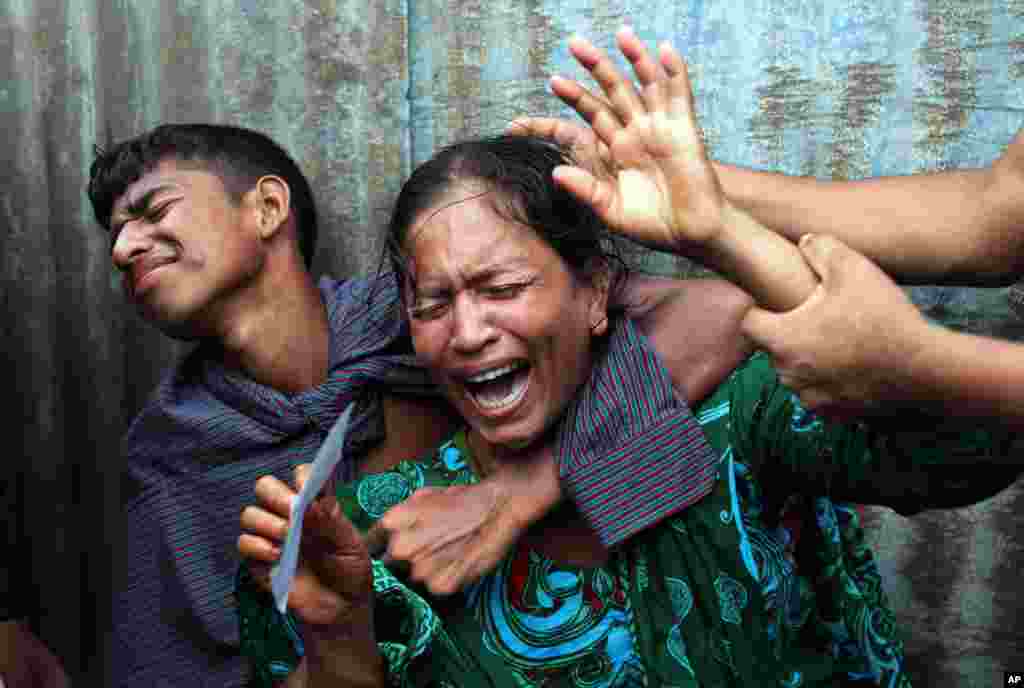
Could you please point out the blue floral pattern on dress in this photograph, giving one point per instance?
(732, 598)
(378, 493)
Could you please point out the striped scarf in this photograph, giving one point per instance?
(630, 451)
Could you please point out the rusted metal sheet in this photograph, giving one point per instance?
(359, 92)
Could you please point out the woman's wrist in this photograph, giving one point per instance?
(764, 264)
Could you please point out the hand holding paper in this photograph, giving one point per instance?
(330, 586)
(323, 466)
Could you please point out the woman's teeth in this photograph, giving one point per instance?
(493, 373)
(499, 387)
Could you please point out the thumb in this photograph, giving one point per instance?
(763, 327)
(376, 540)
(327, 521)
(829, 257)
(597, 193)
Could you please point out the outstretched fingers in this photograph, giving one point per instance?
(598, 113)
(680, 103)
(622, 96)
(563, 132)
(599, 194)
(649, 73)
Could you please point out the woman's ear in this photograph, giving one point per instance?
(598, 273)
(273, 199)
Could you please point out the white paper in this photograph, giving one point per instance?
(323, 466)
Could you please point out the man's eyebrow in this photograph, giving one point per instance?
(142, 202)
(137, 207)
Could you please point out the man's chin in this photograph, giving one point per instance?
(177, 331)
(182, 329)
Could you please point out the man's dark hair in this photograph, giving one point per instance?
(238, 156)
(515, 173)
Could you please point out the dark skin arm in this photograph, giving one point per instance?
(713, 310)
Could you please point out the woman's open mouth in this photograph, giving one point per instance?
(499, 388)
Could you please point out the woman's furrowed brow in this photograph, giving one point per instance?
(489, 270)
(481, 274)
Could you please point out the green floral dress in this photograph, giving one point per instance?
(722, 594)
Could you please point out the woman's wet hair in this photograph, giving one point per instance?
(514, 173)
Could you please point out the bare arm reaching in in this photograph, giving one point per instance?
(952, 227)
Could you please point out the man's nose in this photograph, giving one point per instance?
(132, 241)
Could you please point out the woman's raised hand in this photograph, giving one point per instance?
(333, 584)
(657, 185)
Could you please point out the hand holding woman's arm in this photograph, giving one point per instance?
(858, 346)
(332, 592)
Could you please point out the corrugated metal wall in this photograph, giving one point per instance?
(359, 91)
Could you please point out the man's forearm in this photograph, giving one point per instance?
(959, 227)
(532, 487)
(969, 376)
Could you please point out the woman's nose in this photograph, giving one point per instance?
(472, 328)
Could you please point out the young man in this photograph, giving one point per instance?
(213, 229)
